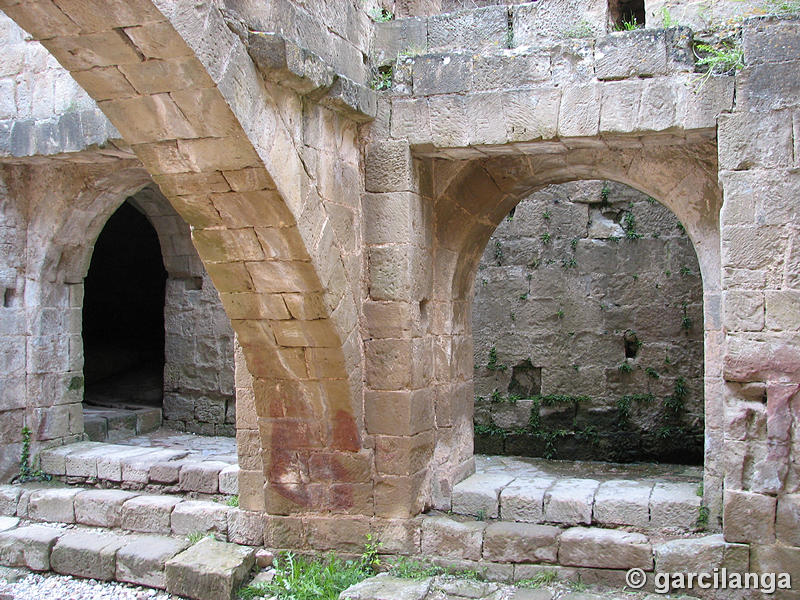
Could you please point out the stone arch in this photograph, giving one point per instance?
(471, 198)
(180, 87)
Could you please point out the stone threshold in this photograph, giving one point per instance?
(116, 423)
(161, 469)
(643, 497)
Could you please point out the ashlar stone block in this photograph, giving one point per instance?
(148, 514)
(142, 561)
(209, 570)
(479, 494)
(570, 501)
(523, 500)
(90, 554)
(28, 547)
(605, 549)
(623, 502)
(520, 542)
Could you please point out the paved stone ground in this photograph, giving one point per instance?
(384, 587)
(209, 446)
(26, 586)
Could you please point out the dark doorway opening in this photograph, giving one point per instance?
(627, 14)
(123, 313)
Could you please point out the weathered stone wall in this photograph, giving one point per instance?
(43, 110)
(588, 330)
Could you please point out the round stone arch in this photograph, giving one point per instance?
(477, 194)
(180, 88)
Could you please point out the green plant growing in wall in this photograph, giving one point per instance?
(627, 25)
(560, 313)
(569, 263)
(685, 271)
(381, 15)
(493, 365)
(666, 18)
(625, 368)
(382, 78)
(686, 320)
(26, 471)
(604, 193)
(702, 518)
(545, 237)
(498, 252)
(629, 226)
(652, 373)
(723, 58)
(546, 215)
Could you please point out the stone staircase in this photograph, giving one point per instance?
(118, 535)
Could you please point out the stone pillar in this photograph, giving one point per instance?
(398, 345)
(758, 158)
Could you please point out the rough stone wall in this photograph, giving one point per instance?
(588, 330)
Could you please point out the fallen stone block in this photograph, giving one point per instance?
(520, 542)
(142, 560)
(623, 502)
(209, 570)
(148, 514)
(101, 508)
(197, 516)
(570, 501)
(55, 505)
(90, 554)
(523, 500)
(451, 539)
(479, 494)
(201, 476)
(604, 549)
(674, 505)
(28, 547)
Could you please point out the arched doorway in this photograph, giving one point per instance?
(123, 313)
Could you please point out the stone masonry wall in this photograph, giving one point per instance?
(588, 330)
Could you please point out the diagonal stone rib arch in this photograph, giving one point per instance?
(178, 86)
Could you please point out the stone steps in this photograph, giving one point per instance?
(129, 511)
(206, 570)
(112, 424)
(642, 504)
(136, 467)
(513, 551)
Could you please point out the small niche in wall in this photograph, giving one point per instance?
(9, 295)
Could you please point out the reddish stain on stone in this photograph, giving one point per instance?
(345, 432)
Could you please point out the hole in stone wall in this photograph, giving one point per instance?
(526, 380)
(581, 352)
(123, 313)
(8, 297)
(628, 12)
(632, 344)
(193, 283)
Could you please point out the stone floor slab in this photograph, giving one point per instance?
(136, 469)
(387, 588)
(209, 570)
